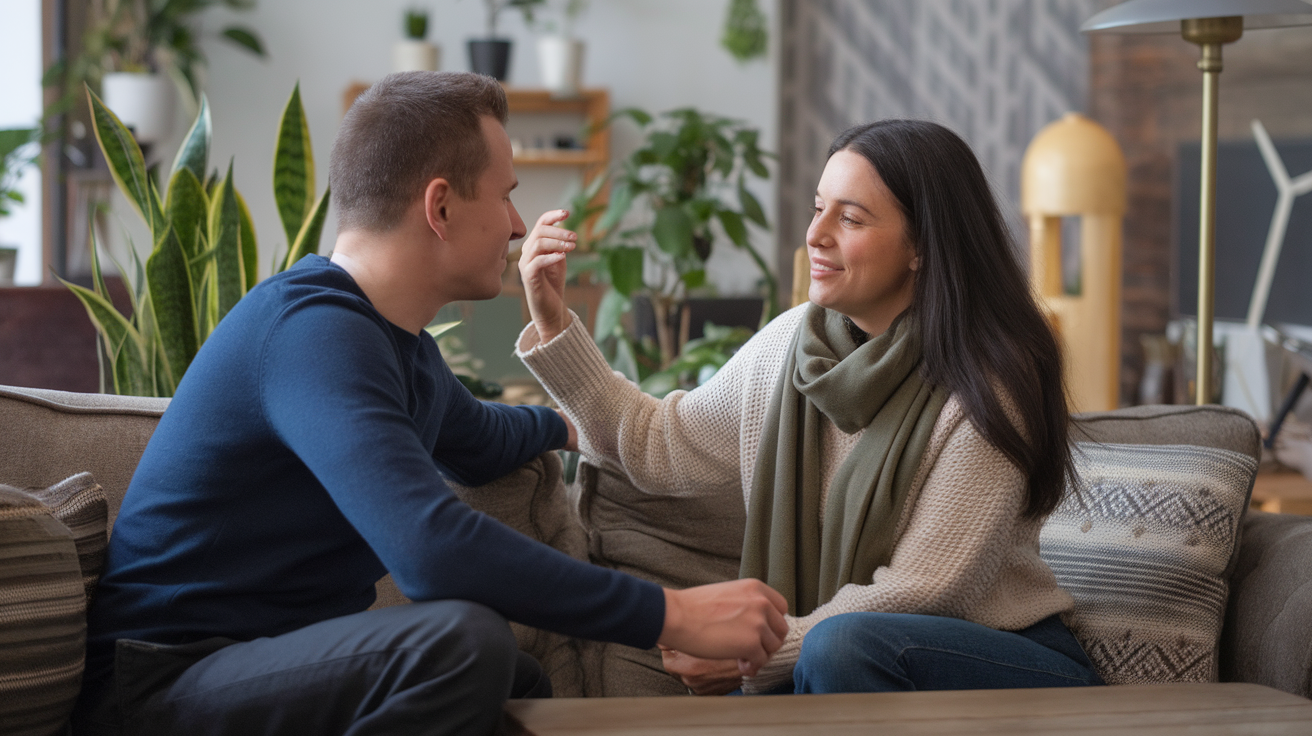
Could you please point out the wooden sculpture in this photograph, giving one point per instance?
(1074, 168)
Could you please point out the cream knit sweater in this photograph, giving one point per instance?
(963, 548)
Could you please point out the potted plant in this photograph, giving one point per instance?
(491, 55)
(413, 53)
(13, 157)
(136, 52)
(560, 53)
(745, 35)
(204, 255)
(670, 201)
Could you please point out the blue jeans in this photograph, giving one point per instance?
(882, 652)
(441, 667)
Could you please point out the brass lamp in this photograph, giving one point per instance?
(1210, 24)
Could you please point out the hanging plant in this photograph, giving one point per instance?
(745, 34)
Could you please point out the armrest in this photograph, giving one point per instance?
(1267, 637)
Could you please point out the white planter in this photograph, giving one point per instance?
(560, 60)
(144, 102)
(415, 56)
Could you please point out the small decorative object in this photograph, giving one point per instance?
(491, 55)
(1157, 386)
(1210, 24)
(560, 54)
(413, 53)
(1074, 168)
(745, 35)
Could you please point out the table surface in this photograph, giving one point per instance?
(1224, 708)
(1283, 492)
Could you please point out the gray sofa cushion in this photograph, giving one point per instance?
(42, 618)
(1268, 633)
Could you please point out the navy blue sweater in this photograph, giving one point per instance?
(302, 459)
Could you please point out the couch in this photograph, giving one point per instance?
(46, 436)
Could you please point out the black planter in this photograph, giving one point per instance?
(490, 57)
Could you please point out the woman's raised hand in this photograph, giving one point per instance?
(542, 269)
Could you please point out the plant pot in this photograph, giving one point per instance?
(8, 264)
(560, 60)
(491, 57)
(409, 55)
(144, 102)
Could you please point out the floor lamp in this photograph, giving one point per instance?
(1210, 24)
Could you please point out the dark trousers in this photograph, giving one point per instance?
(442, 667)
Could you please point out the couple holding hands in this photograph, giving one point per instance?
(897, 443)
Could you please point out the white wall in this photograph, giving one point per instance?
(654, 54)
(20, 107)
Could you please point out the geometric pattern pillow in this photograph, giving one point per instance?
(79, 504)
(42, 618)
(1144, 546)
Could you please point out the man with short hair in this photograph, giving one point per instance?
(302, 459)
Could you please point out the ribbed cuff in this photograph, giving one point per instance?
(780, 667)
(570, 365)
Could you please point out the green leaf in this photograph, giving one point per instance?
(187, 208)
(126, 164)
(734, 227)
(250, 251)
(307, 240)
(613, 306)
(122, 341)
(293, 168)
(625, 266)
(694, 278)
(245, 38)
(172, 306)
(659, 384)
(673, 230)
(641, 117)
(97, 276)
(194, 154)
(438, 330)
(752, 209)
(621, 199)
(225, 238)
(626, 362)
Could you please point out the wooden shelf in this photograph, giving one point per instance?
(563, 157)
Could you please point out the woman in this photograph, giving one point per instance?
(898, 441)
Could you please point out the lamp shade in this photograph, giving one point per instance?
(1164, 16)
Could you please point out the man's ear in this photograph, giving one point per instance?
(437, 200)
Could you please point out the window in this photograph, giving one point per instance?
(20, 107)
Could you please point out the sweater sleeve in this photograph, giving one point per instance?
(949, 556)
(334, 393)
(481, 441)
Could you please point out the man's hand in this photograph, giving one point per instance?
(542, 269)
(572, 441)
(740, 619)
(703, 676)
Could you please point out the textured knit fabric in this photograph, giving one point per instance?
(303, 457)
(873, 387)
(42, 623)
(1145, 548)
(963, 548)
(79, 504)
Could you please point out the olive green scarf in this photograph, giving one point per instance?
(876, 387)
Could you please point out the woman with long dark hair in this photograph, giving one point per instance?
(898, 441)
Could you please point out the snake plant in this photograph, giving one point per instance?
(204, 247)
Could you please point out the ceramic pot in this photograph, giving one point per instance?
(560, 60)
(144, 102)
(409, 55)
(491, 57)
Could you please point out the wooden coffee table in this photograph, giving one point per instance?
(1226, 708)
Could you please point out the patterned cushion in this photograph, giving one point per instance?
(1145, 548)
(42, 617)
(79, 504)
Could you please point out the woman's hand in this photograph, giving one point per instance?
(739, 620)
(571, 434)
(542, 269)
(703, 676)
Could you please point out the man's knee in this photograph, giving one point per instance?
(475, 635)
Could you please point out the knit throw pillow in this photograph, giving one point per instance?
(43, 598)
(1145, 548)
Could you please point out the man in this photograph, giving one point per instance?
(301, 460)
